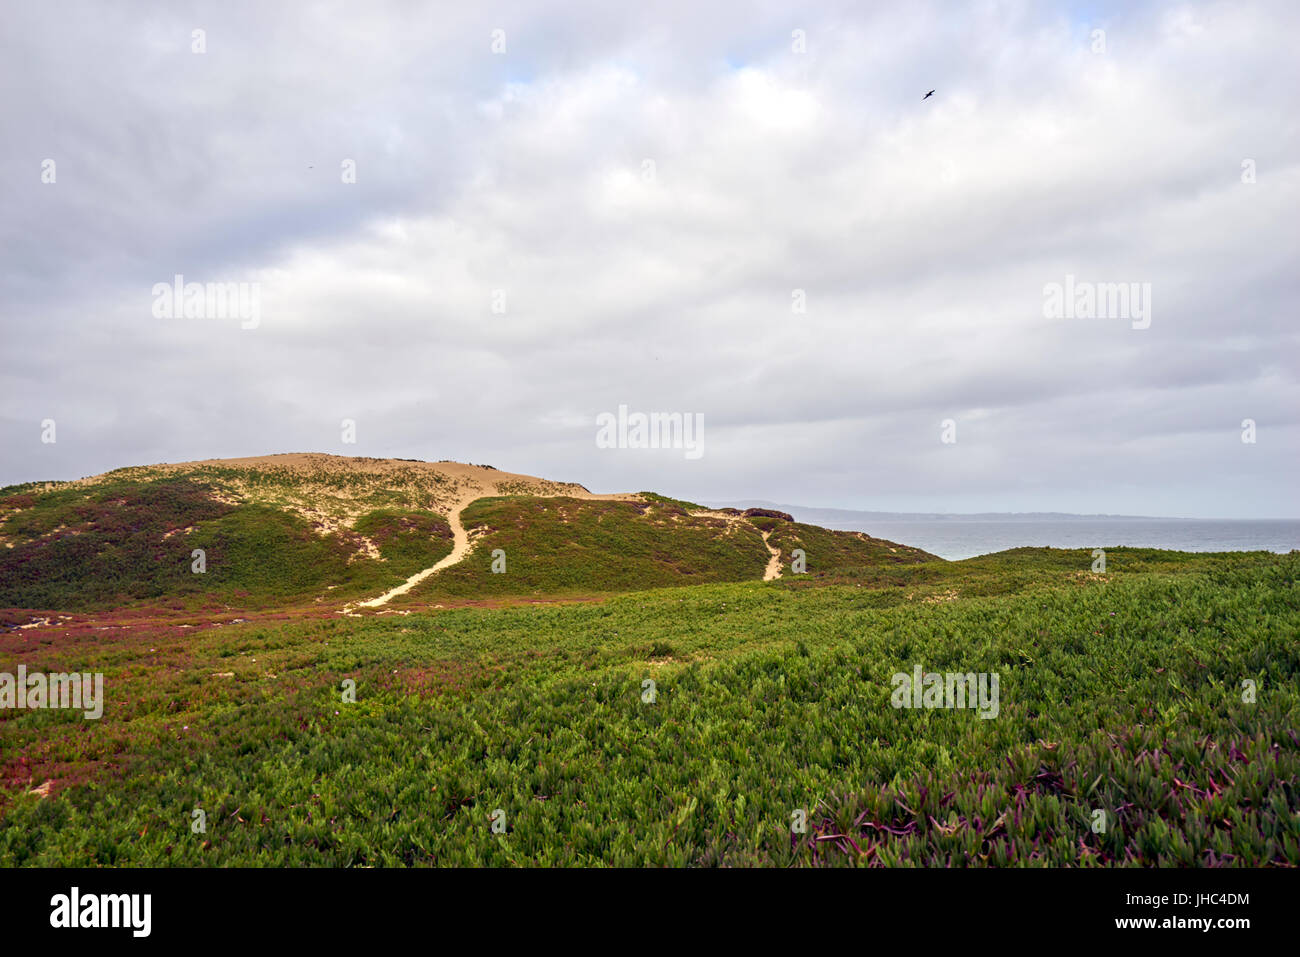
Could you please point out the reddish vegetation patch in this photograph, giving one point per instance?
(150, 656)
(66, 631)
(439, 677)
(23, 773)
(889, 820)
(765, 513)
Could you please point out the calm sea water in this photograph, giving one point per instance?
(965, 539)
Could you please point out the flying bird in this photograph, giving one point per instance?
(928, 95)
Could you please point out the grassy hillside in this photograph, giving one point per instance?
(1119, 693)
(564, 547)
(297, 530)
(131, 540)
(826, 550)
(641, 724)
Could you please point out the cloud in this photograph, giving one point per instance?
(622, 209)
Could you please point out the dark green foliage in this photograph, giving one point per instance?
(1120, 693)
(567, 546)
(407, 540)
(665, 500)
(260, 553)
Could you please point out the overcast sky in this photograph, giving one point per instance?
(618, 208)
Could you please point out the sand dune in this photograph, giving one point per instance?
(452, 486)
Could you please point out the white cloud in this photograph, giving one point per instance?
(922, 233)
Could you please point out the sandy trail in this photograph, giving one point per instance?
(448, 487)
(483, 485)
(773, 570)
(461, 542)
(460, 548)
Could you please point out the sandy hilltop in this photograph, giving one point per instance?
(356, 533)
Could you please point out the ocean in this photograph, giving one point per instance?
(965, 538)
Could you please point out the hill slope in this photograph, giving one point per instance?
(324, 731)
(322, 529)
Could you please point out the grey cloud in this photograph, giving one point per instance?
(923, 235)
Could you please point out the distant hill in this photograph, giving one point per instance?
(830, 516)
(363, 533)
